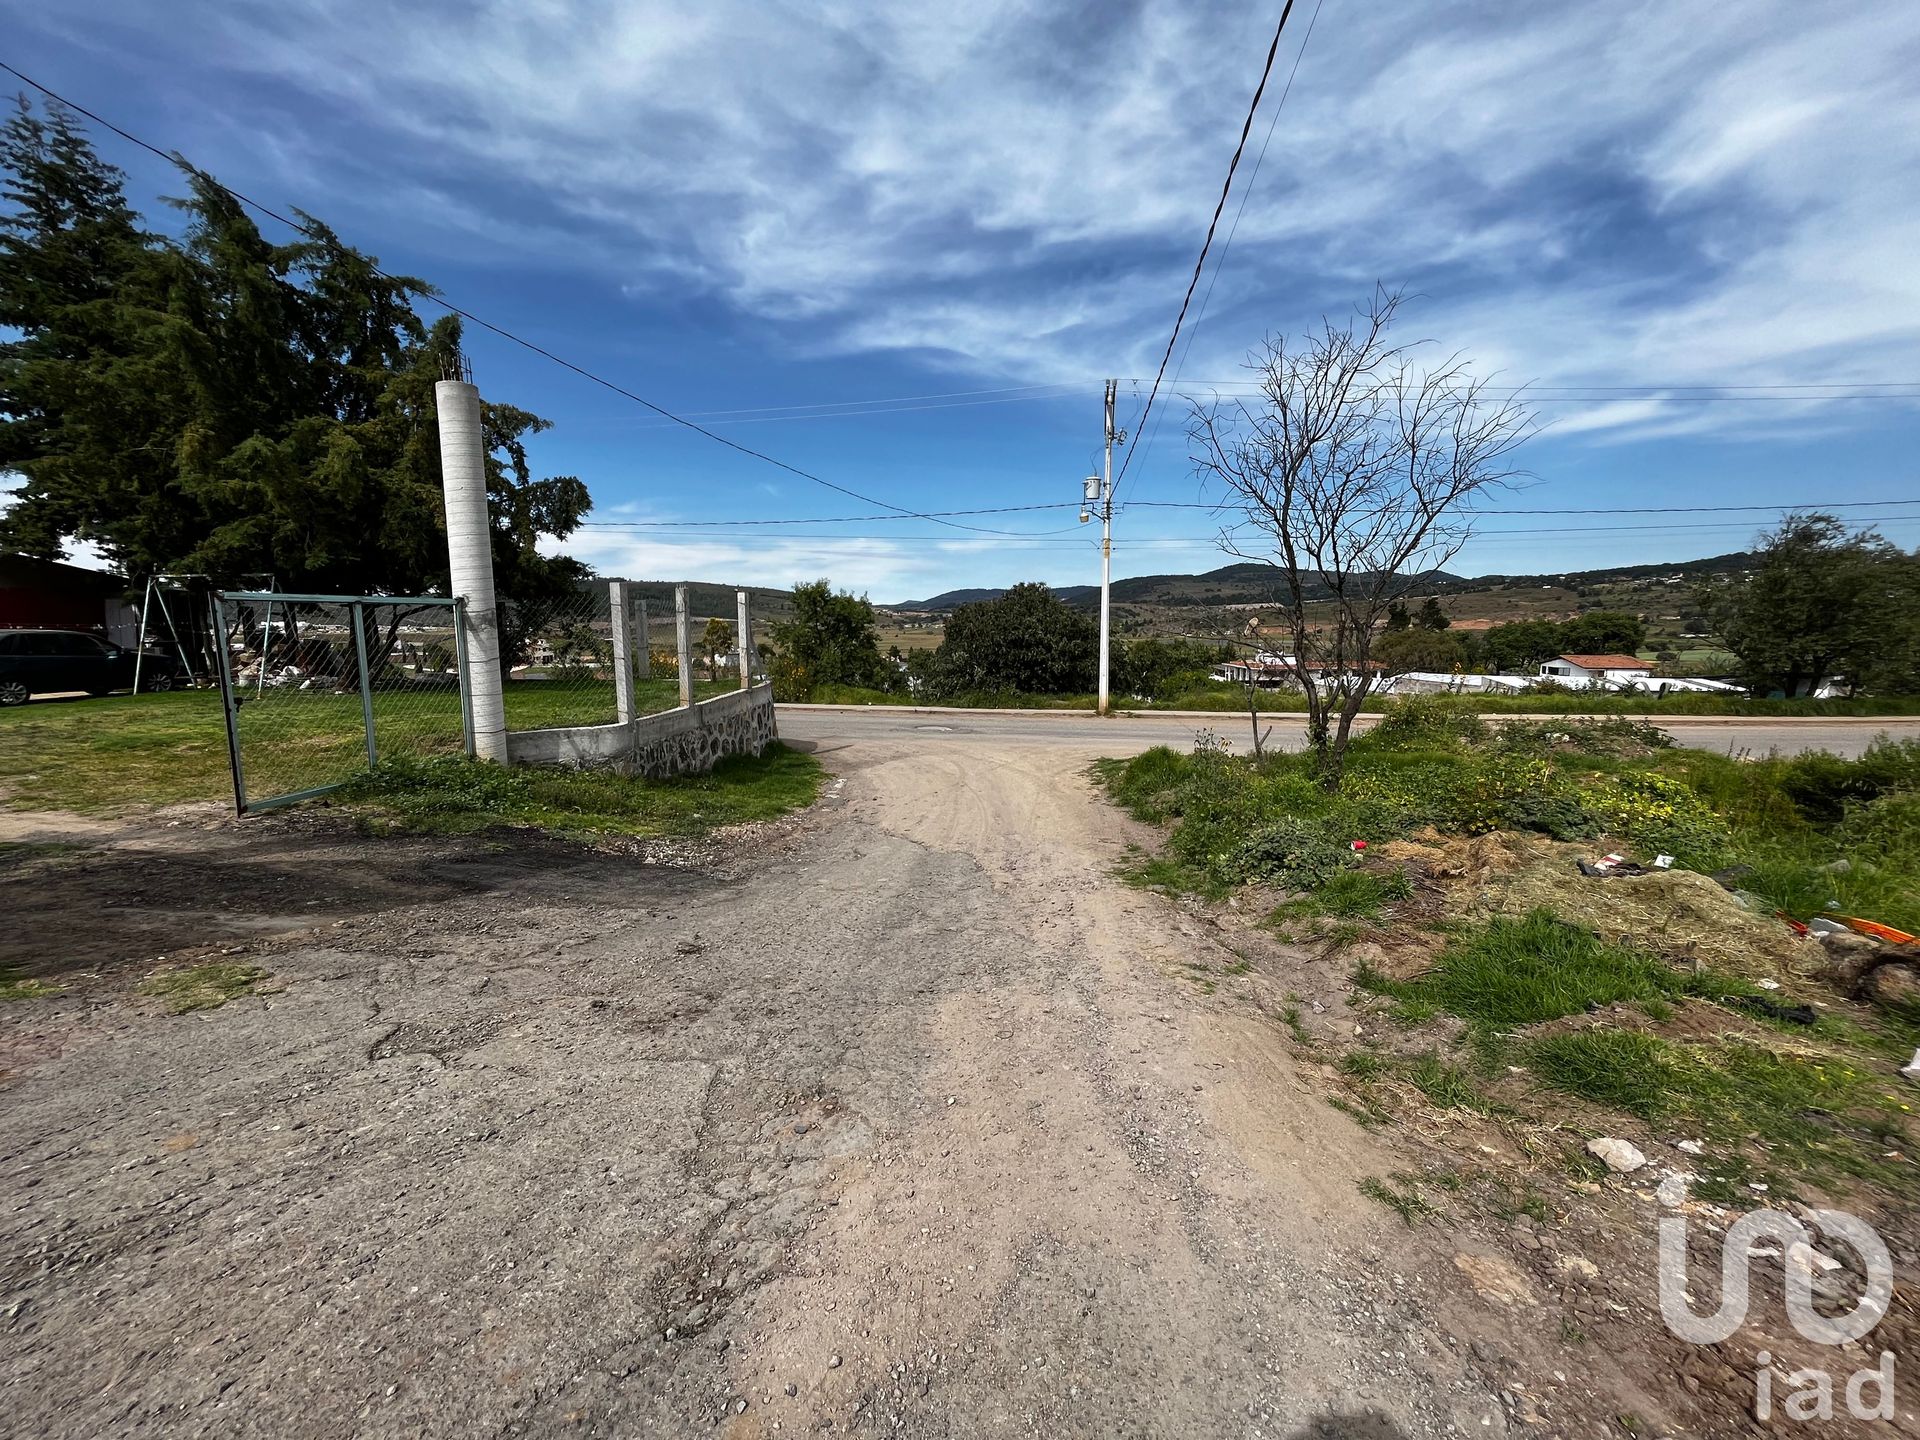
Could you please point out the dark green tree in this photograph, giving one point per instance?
(1519, 648)
(1028, 641)
(229, 406)
(1819, 603)
(830, 640)
(1397, 617)
(1155, 668)
(1420, 648)
(1603, 632)
(1430, 616)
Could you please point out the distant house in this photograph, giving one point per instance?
(1595, 667)
(45, 595)
(1274, 672)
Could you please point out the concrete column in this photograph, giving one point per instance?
(643, 663)
(745, 636)
(683, 634)
(463, 475)
(622, 651)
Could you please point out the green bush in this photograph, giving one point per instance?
(1659, 813)
(1424, 722)
(1292, 852)
(1608, 735)
(1824, 785)
(1885, 829)
(1553, 813)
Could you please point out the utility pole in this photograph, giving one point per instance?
(1106, 546)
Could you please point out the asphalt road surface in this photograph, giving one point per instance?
(1128, 734)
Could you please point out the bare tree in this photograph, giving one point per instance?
(1357, 470)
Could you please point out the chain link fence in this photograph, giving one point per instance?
(320, 688)
(560, 652)
(558, 655)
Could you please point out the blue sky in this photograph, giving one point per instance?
(757, 207)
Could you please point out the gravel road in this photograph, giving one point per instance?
(898, 1122)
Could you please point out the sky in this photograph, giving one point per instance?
(774, 217)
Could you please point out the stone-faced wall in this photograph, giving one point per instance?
(674, 742)
(688, 742)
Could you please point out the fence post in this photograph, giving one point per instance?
(229, 701)
(622, 651)
(463, 472)
(746, 643)
(460, 674)
(358, 612)
(683, 636)
(644, 665)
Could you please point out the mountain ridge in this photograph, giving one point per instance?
(1253, 583)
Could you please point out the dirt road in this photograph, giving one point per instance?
(903, 1122)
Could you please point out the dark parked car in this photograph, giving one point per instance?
(45, 662)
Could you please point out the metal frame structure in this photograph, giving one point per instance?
(231, 701)
(156, 583)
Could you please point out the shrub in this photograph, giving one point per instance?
(1886, 829)
(1657, 812)
(1823, 785)
(1551, 813)
(1484, 795)
(1609, 735)
(1291, 852)
(1424, 722)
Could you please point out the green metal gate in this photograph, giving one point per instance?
(318, 689)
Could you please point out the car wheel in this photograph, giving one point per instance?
(13, 692)
(157, 682)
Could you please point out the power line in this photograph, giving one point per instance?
(1246, 128)
(1530, 535)
(1246, 382)
(502, 332)
(1246, 194)
(1599, 510)
(1204, 505)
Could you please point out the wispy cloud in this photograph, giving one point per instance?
(1689, 191)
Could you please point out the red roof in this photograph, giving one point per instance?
(1606, 662)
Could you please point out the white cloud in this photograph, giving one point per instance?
(1689, 191)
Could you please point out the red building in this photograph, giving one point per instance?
(45, 595)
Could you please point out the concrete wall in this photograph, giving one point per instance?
(674, 742)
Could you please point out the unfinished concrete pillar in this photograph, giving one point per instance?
(643, 659)
(745, 636)
(683, 635)
(622, 651)
(463, 476)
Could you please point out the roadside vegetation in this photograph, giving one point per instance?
(1506, 984)
(126, 752)
(452, 795)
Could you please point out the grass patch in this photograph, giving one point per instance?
(203, 987)
(456, 796)
(1350, 895)
(13, 987)
(124, 751)
(1407, 1203)
(1522, 972)
(1814, 1116)
(1447, 1086)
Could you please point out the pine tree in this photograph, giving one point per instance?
(232, 407)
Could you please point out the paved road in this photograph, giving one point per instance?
(1128, 734)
